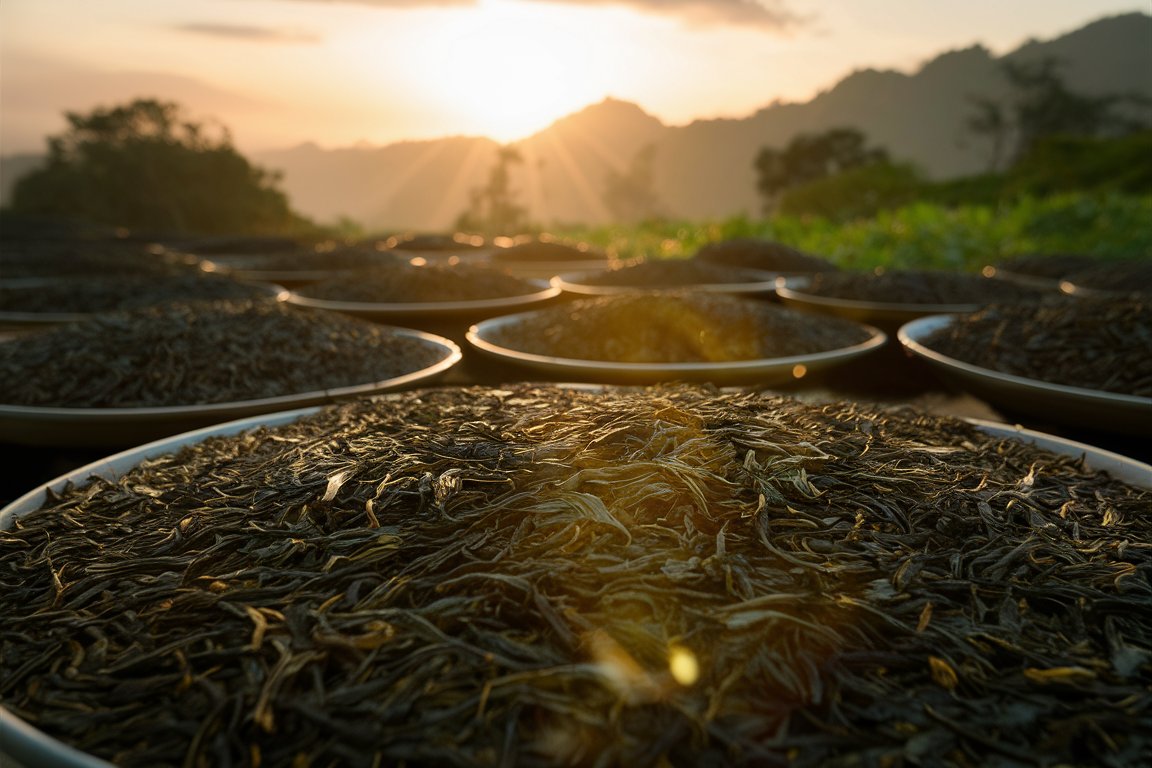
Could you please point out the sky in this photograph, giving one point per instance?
(338, 73)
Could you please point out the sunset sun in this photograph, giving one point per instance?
(506, 70)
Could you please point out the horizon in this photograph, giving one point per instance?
(452, 80)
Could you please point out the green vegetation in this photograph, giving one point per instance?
(145, 166)
(1040, 106)
(917, 235)
(1055, 142)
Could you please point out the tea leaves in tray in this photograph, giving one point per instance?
(1099, 344)
(673, 273)
(408, 284)
(673, 327)
(107, 293)
(548, 576)
(920, 287)
(202, 352)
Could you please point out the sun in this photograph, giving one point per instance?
(507, 70)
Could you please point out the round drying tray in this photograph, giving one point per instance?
(776, 370)
(394, 311)
(1055, 403)
(582, 283)
(792, 291)
(119, 427)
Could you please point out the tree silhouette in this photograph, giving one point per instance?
(809, 157)
(492, 208)
(143, 165)
(1040, 105)
(631, 196)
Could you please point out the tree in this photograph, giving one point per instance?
(1057, 164)
(859, 192)
(630, 196)
(809, 157)
(143, 165)
(492, 208)
(1040, 106)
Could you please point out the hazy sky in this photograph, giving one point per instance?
(338, 72)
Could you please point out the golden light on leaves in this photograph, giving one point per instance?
(943, 673)
(683, 665)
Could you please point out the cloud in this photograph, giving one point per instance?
(249, 33)
(764, 14)
(771, 14)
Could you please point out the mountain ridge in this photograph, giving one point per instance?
(702, 169)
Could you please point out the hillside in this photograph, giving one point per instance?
(702, 169)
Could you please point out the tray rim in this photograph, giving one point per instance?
(474, 336)
(13, 416)
(791, 289)
(911, 336)
(569, 282)
(427, 308)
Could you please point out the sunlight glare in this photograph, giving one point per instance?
(507, 70)
(683, 665)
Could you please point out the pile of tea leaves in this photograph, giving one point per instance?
(90, 294)
(1131, 276)
(100, 258)
(325, 257)
(677, 328)
(920, 287)
(1054, 266)
(542, 249)
(434, 242)
(409, 284)
(759, 253)
(194, 353)
(543, 576)
(1099, 343)
(674, 273)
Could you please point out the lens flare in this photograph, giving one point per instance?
(683, 665)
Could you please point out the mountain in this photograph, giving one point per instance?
(425, 184)
(703, 169)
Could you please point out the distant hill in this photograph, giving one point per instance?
(703, 169)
